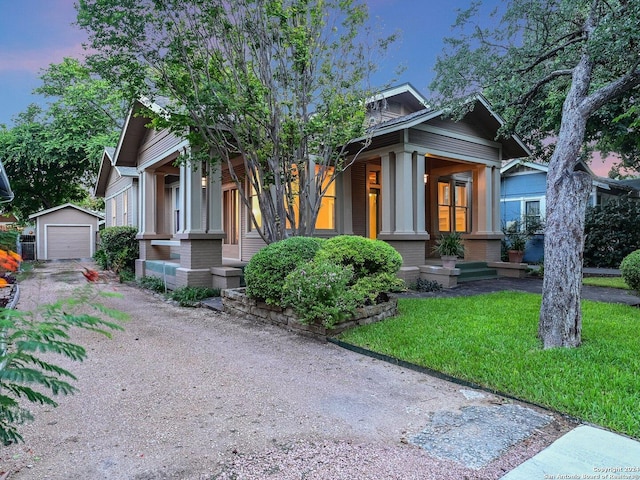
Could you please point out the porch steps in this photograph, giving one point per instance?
(472, 271)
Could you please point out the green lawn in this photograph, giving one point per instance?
(613, 282)
(490, 340)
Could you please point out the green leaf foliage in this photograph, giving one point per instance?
(324, 280)
(51, 153)
(316, 291)
(611, 232)
(25, 336)
(281, 82)
(119, 249)
(366, 257)
(521, 56)
(630, 270)
(267, 270)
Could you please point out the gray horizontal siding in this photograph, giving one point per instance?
(453, 145)
(156, 144)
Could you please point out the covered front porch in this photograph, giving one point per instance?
(181, 235)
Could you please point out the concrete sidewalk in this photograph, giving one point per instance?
(584, 452)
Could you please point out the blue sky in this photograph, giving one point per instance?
(36, 33)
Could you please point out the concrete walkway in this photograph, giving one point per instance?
(584, 452)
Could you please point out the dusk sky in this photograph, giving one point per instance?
(36, 33)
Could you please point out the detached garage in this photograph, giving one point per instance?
(66, 232)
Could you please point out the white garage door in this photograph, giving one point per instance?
(73, 241)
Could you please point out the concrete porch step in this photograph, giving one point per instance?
(472, 271)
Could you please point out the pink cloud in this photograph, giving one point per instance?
(601, 166)
(35, 60)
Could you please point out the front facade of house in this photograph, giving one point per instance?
(523, 197)
(421, 176)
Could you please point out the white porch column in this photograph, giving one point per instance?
(388, 193)
(191, 192)
(214, 199)
(404, 192)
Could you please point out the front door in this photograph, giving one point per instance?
(231, 223)
(374, 213)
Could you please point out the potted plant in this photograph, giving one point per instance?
(449, 247)
(516, 237)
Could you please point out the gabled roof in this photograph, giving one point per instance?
(516, 163)
(67, 205)
(106, 165)
(513, 147)
(405, 93)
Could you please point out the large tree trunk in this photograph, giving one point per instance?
(567, 194)
(560, 315)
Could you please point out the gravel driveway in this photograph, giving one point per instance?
(195, 394)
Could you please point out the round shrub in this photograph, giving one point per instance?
(317, 290)
(265, 273)
(630, 269)
(367, 257)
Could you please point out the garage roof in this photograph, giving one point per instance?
(67, 205)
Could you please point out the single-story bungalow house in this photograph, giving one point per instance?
(523, 196)
(422, 175)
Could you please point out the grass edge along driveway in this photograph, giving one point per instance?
(490, 340)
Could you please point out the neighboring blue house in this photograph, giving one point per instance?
(522, 197)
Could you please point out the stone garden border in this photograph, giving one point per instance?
(234, 301)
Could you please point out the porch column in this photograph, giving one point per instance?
(388, 192)
(147, 225)
(404, 192)
(191, 192)
(214, 200)
(483, 243)
(419, 187)
(162, 222)
(488, 195)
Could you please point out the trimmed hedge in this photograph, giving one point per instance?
(630, 270)
(267, 270)
(324, 280)
(611, 232)
(367, 257)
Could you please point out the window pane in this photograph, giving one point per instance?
(461, 195)
(443, 194)
(326, 217)
(255, 209)
(444, 221)
(461, 219)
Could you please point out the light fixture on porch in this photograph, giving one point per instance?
(204, 182)
(425, 178)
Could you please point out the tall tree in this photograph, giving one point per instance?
(51, 154)
(280, 83)
(561, 69)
